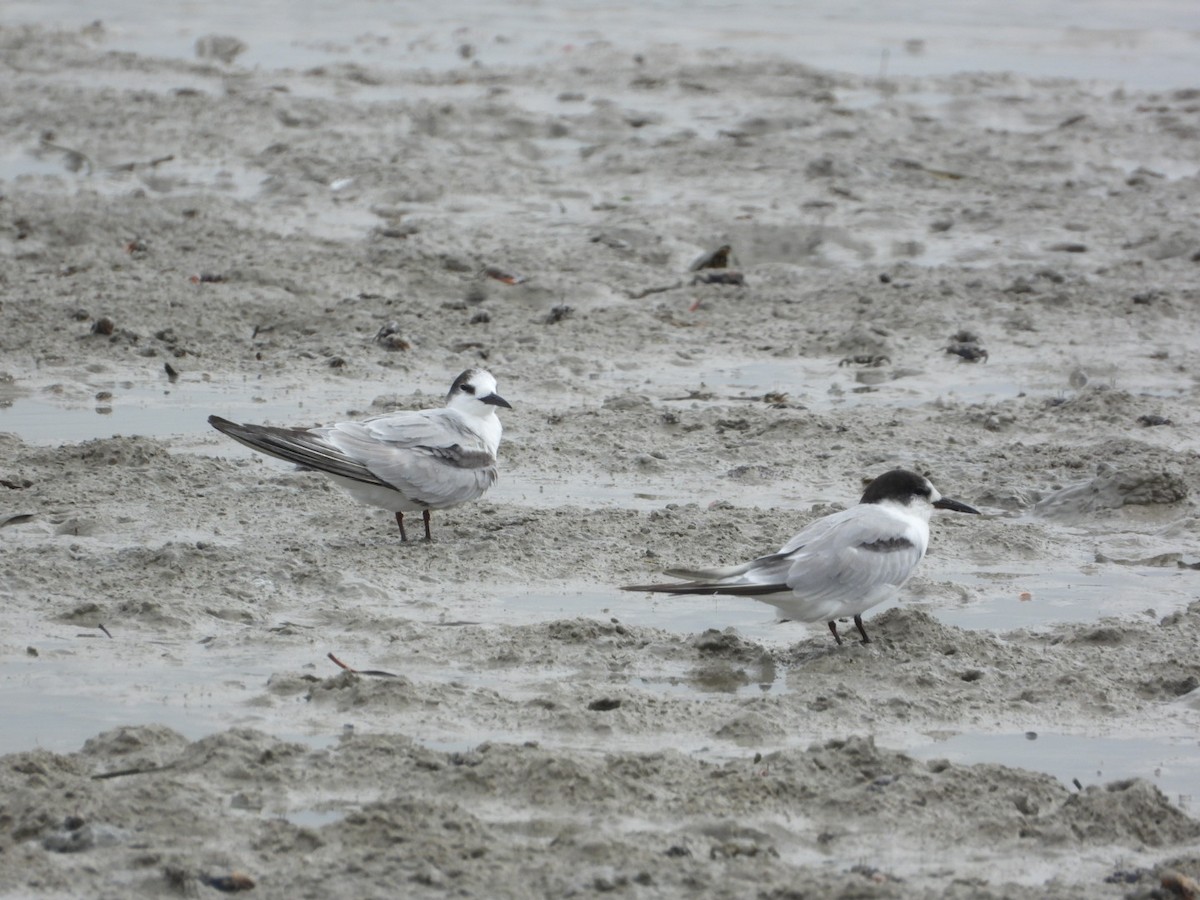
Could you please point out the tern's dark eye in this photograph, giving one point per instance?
(468, 388)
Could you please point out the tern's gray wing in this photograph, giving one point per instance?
(301, 446)
(862, 551)
(858, 554)
(433, 457)
(774, 568)
(813, 531)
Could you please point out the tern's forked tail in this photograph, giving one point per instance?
(708, 587)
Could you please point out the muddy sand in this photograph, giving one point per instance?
(186, 237)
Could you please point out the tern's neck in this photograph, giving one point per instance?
(914, 508)
(471, 407)
(483, 420)
(491, 429)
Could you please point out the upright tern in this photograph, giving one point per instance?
(403, 461)
(839, 565)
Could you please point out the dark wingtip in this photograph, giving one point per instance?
(223, 425)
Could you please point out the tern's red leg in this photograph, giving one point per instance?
(425, 516)
(400, 522)
(837, 637)
(861, 630)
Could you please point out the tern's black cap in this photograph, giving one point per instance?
(901, 485)
(898, 485)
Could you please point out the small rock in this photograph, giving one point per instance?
(714, 259)
(559, 313)
(968, 352)
(1180, 885)
(222, 47)
(721, 277)
(388, 336)
(231, 883)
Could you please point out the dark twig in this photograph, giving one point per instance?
(376, 672)
(137, 770)
(645, 292)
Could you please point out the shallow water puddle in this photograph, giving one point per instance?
(878, 40)
(152, 411)
(52, 718)
(15, 164)
(823, 385)
(159, 409)
(680, 614)
(1058, 597)
(1172, 764)
(313, 818)
(111, 177)
(69, 693)
(1037, 599)
(549, 489)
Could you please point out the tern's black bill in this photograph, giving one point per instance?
(947, 503)
(496, 400)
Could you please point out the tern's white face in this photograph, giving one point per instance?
(934, 496)
(474, 393)
(911, 491)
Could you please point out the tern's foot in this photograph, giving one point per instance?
(833, 630)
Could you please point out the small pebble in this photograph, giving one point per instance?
(721, 277)
(231, 883)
